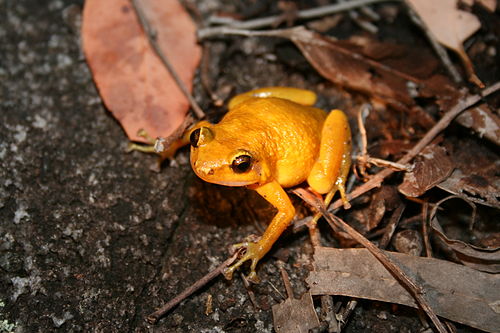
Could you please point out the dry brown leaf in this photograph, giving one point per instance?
(491, 5)
(134, 85)
(483, 259)
(351, 65)
(475, 177)
(408, 241)
(295, 315)
(483, 121)
(455, 292)
(450, 26)
(431, 167)
(473, 187)
(383, 199)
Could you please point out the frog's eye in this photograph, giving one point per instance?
(200, 136)
(194, 137)
(241, 163)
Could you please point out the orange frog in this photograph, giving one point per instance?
(270, 139)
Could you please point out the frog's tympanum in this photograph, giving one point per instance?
(272, 138)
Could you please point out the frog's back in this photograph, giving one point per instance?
(288, 133)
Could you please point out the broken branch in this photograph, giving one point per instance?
(153, 317)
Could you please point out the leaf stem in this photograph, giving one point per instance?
(151, 35)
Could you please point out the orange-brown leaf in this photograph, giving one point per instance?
(132, 81)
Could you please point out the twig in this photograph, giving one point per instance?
(153, 317)
(415, 290)
(363, 112)
(388, 164)
(250, 292)
(425, 230)
(302, 14)
(354, 15)
(461, 106)
(328, 315)
(342, 316)
(277, 291)
(391, 226)
(286, 282)
(438, 48)
(367, 11)
(151, 35)
(205, 75)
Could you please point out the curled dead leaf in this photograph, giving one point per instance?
(431, 167)
(483, 259)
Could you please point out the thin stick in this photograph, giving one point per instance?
(425, 230)
(388, 164)
(461, 106)
(250, 292)
(415, 290)
(151, 35)
(391, 226)
(302, 14)
(153, 317)
(363, 112)
(286, 282)
(342, 316)
(363, 24)
(438, 48)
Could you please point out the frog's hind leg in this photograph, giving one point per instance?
(330, 171)
(297, 95)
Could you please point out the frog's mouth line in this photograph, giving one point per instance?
(233, 183)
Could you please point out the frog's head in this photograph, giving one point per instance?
(219, 158)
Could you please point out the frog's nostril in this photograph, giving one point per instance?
(206, 170)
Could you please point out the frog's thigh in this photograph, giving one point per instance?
(300, 96)
(334, 158)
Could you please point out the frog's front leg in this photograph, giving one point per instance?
(275, 195)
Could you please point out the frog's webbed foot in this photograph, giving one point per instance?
(254, 251)
(155, 146)
(149, 147)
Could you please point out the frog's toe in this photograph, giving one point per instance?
(138, 147)
(343, 196)
(253, 277)
(254, 252)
